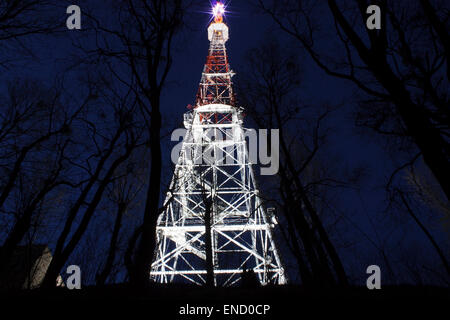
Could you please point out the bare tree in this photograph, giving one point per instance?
(104, 136)
(145, 36)
(35, 137)
(267, 89)
(123, 193)
(403, 67)
(125, 139)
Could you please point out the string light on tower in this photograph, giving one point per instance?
(215, 225)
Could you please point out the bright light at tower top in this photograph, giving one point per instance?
(218, 11)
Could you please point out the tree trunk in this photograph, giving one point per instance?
(60, 259)
(102, 276)
(147, 244)
(19, 230)
(84, 193)
(317, 223)
(208, 242)
(321, 273)
(304, 271)
(23, 222)
(440, 29)
(427, 233)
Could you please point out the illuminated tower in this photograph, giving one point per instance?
(214, 225)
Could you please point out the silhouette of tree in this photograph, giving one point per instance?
(35, 137)
(403, 68)
(142, 39)
(266, 89)
(123, 193)
(124, 140)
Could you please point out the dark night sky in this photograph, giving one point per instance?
(248, 28)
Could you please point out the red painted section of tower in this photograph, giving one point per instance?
(216, 85)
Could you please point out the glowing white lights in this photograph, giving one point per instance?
(218, 11)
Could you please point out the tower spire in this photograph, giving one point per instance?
(216, 85)
(218, 12)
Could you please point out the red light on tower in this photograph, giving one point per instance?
(218, 12)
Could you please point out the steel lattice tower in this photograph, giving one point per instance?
(213, 212)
